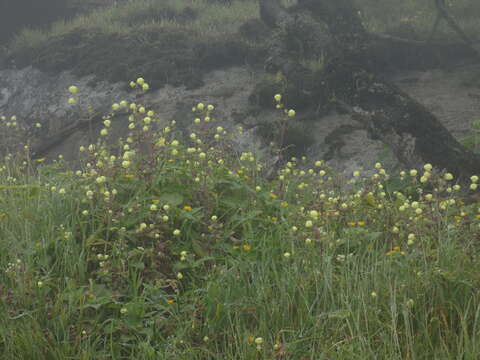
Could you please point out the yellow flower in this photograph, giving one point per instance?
(428, 167)
(361, 223)
(170, 301)
(187, 208)
(284, 203)
(73, 89)
(273, 218)
(247, 247)
(273, 196)
(40, 160)
(448, 176)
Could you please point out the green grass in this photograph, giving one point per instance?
(201, 17)
(161, 248)
(215, 19)
(380, 16)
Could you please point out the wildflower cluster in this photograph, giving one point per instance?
(160, 221)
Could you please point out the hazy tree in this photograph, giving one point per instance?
(350, 79)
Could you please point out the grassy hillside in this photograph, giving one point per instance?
(162, 248)
(176, 41)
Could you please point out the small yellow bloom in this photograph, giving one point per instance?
(273, 196)
(170, 301)
(40, 160)
(247, 247)
(187, 208)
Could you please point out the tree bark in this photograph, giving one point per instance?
(351, 78)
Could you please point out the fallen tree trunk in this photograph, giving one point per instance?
(350, 78)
